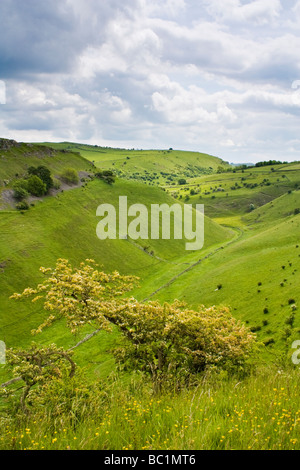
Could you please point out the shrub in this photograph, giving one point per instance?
(106, 175)
(290, 320)
(20, 188)
(268, 341)
(22, 206)
(56, 183)
(36, 186)
(253, 329)
(167, 341)
(43, 173)
(70, 176)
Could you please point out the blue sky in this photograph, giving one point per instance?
(206, 75)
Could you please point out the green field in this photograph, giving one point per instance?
(250, 262)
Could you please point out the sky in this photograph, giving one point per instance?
(215, 76)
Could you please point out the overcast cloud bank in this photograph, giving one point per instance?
(213, 76)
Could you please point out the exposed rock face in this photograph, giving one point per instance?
(6, 144)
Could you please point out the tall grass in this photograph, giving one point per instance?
(259, 412)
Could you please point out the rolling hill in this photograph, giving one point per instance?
(64, 225)
(251, 232)
(250, 262)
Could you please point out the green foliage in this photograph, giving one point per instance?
(269, 162)
(106, 175)
(56, 183)
(70, 176)
(36, 186)
(22, 206)
(20, 188)
(37, 365)
(43, 173)
(171, 341)
(221, 412)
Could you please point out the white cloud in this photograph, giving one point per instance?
(259, 12)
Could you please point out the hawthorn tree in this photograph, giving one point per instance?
(81, 295)
(171, 342)
(165, 341)
(36, 365)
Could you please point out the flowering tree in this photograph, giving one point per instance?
(171, 341)
(81, 295)
(38, 365)
(165, 341)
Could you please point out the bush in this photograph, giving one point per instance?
(36, 186)
(70, 176)
(253, 329)
(22, 206)
(290, 320)
(106, 175)
(169, 341)
(56, 183)
(20, 188)
(268, 341)
(43, 173)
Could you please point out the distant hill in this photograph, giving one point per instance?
(150, 166)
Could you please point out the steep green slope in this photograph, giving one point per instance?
(253, 267)
(237, 192)
(65, 226)
(257, 276)
(283, 207)
(16, 158)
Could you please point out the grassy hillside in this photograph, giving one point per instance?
(258, 277)
(17, 157)
(150, 166)
(65, 227)
(244, 255)
(250, 262)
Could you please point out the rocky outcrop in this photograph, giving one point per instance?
(7, 144)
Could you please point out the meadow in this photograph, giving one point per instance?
(250, 263)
